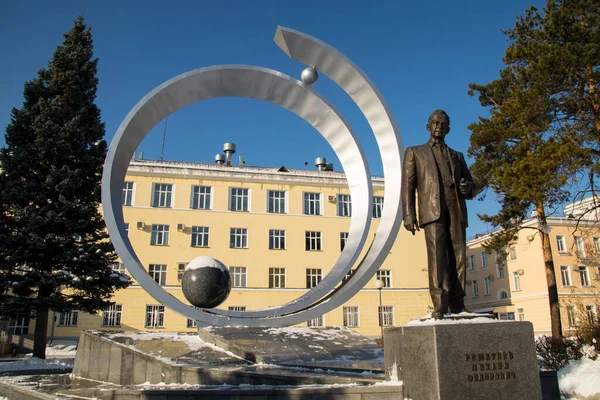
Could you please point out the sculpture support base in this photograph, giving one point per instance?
(464, 361)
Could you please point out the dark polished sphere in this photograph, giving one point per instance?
(206, 287)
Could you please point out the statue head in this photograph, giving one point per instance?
(438, 124)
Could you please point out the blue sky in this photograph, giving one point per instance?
(421, 55)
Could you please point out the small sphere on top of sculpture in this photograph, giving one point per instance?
(309, 75)
(206, 282)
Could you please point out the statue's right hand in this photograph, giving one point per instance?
(411, 223)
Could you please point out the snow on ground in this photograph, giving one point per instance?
(36, 364)
(580, 377)
(471, 318)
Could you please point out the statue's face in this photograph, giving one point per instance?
(438, 126)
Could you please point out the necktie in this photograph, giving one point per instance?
(443, 159)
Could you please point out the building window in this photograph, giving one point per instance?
(155, 316)
(238, 199)
(236, 308)
(158, 272)
(503, 295)
(276, 202)
(475, 289)
(238, 276)
(385, 275)
(386, 315)
(584, 275)
(68, 318)
(119, 268)
(160, 235)
(473, 263)
(561, 244)
(565, 275)
(181, 270)
(276, 277)
(315, 322)
(520, 314)
(276, 239)
(512, 252)
(162, 195)
(597, 245)
(312, 203)
(500, 270)
(191, 323)
(200, 236)
(313, 241)
(344, 205)
(343, 240)
(238, 238)
(201, 196)
(572, 316)
(18, 326)
(590, 311)
(351, 316)
(313, 277)
(487, 285)
(579, 247)
(127, 228)
(111, 315)
(517, 280)
(484, 260)
(127, 193)
(349, 275)
(377, 206)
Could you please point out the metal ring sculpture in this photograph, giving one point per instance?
(277, 88)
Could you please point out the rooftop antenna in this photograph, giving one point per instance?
(162, 151)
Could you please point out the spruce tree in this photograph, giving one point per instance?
(54, 249)
(544, 122)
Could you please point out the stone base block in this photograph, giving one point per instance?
(464, 361)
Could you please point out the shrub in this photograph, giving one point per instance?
(554, 353)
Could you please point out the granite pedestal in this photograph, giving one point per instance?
(446, 361)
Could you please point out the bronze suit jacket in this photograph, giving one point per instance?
(420, 174)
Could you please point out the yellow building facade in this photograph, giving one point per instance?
(278, 230)
(513, 284)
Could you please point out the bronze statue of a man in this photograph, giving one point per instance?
(438, 176)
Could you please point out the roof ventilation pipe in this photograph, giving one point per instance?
(219, 159)
(229, 149)
(320, 163)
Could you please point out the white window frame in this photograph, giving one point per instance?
(565, 276)
(200, 236)
(596, 241)
(155, 316)
(475, 289)
(520, 314)
(238, 238)
(158, 272)
(312, 203)
(276, 277)
(162, 195)
(386, 315)
(487, 285)
(344, 205)
(239, 199)
(377, 206)
(277, 201)
(572, 316)
(18, 326)
(276, 239)
(512, 252)
(500, 268)
(484, 260)
(473, 262)
(579, 246)
(239, 276)
(385, 275)
(516, 281)
(561, 244)
(191, 323)
(313, 241)
(343, 240)
(160, 235)
(313, 277)
(502, 295)
(317, 322)
(111, 315)
(584, 276)
(590, 312)
(236, 308)
(128, 193)
(68, 318)
(201, 197)
(351, 316)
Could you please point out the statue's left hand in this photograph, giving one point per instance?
(465, 186)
